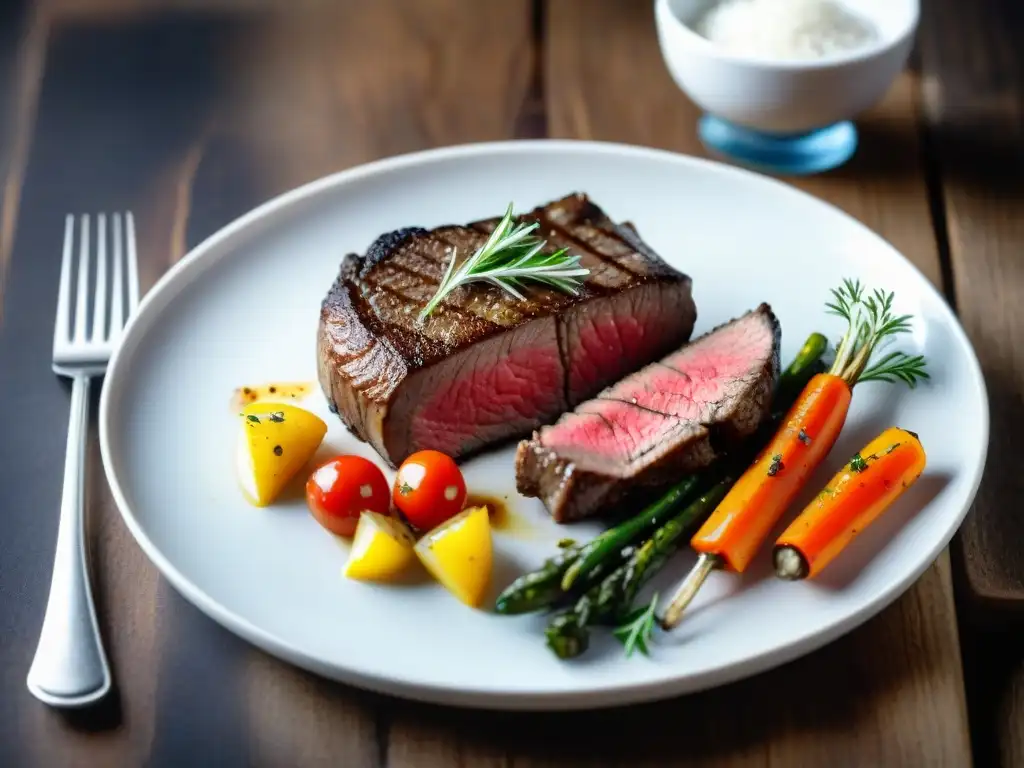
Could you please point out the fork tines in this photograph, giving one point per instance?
(113, 299)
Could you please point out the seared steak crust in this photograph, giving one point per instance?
(485, 367)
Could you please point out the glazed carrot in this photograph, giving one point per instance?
(735, 531)
(747, 514)
(858, 494)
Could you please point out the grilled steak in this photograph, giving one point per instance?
(485, 367)
(666, 419)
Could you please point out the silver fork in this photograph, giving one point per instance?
(70, 666)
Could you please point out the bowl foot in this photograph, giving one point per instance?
(801, 154)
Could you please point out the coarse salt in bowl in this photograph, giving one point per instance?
(784, 29)
(779, 80)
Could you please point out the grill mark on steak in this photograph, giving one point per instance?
(421, 276)
(449, 251)
(565, 234)
(537, 293)
(615, 234)
(385, 329)
(374, 283)
(452, 250)
(625, 233)
(537, 296)
(606, 274)
(450, 303)
(448, 307)
(451, 238)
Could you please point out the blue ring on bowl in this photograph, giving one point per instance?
(798, 155)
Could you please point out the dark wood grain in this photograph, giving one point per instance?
(22, 47)
(994, 668)
(1009, 714)
(121, 88)
(974, 79)
(973, 67)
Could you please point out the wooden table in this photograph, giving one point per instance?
(192, 112)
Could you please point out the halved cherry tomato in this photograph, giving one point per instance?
(429, 489)
(342, 487)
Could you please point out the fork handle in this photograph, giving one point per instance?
(70, 667)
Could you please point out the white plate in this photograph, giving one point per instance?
(242, 308)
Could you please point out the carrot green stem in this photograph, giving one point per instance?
(871, 323)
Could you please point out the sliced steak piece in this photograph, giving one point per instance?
(667, 419)
(486, 367)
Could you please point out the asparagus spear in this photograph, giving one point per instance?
(582, 566)
(538, 589)
(656, 551)
(567, 634)
(621, 536)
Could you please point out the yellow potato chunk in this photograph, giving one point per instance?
(275, 441)
(458, 554)
(382, 548)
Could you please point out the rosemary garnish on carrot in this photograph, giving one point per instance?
(511, 256)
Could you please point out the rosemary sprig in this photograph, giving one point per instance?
(871, 326)
(511, 256)
(636, 630)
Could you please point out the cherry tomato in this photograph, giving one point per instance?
(342, 487)
(429, 489)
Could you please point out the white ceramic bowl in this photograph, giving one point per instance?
(786, 96)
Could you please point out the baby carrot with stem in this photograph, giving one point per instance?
(735, 531)
(855, 497)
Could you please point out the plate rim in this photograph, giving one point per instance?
(601, 696)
